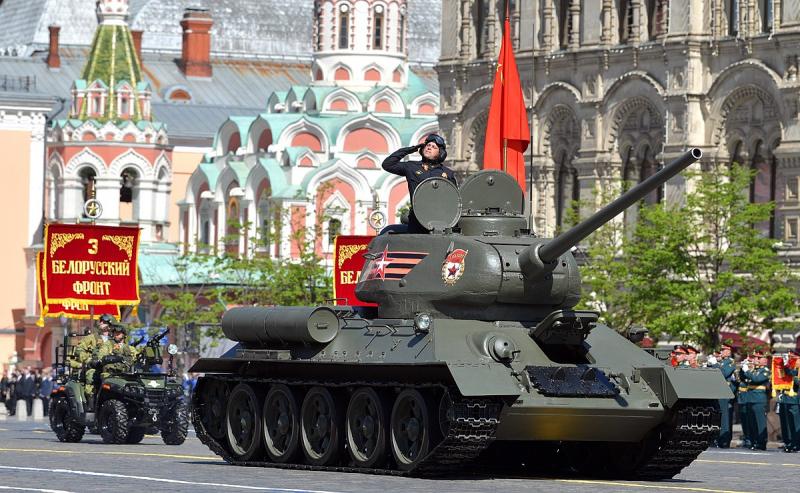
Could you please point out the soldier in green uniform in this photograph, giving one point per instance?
(118, 346)
(757, 380)
(789, 409)
(727, 366)
(743, 402)
(85, 353)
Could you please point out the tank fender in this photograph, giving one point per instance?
(483, 378)
(671, 384)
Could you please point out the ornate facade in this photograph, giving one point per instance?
(313, 158)
(110, 146)
(616, 87)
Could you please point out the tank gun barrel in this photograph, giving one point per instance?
(533, 258)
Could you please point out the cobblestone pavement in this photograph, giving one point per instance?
(32, 459)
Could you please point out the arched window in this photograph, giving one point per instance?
(53, 193)
(179, 96)
(397, 75)
(232, 233)
(426, 109)
(401, 33)
(128, 193)
(365, 138)
(372, 74)
(383, 105)
(647, 169)
(97, 104)
(765, 13)
(234, 142)
(344, 26)
(265, 140)
(732, 15)
(307, 139)
(338, 104)
(341, 73)
(334, 230)
(762, 186)
(656, 15)
(264, 224)
(87, 176)
(124, 105)
(377, 28)
(563, 24)
(568, 191)
(625, 20)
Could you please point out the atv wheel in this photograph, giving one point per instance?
(62, 423)
(135, 435)
(113, 422)
(176, 425)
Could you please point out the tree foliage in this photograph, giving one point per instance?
(691, 270)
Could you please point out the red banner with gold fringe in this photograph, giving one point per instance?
(68, 310)
(348, 260)
(91, 264)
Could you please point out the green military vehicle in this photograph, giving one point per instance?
(125, 406)
(474, 356)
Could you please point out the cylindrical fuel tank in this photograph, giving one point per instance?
(257, 326)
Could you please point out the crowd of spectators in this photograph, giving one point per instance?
(26, 385)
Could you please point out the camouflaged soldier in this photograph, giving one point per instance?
(120, 354)
(85, 353)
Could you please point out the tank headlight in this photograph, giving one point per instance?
(423, 322)
(172, 349)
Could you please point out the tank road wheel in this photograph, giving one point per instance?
(176, 425)
(62, 423)
(213, 400)
(113, 422)
(281, 424)
(366, 428)
(135, 435)
(410, 429)
(320, 420)
(244, 422)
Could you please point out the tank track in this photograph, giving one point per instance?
(694, 428)
(473, 424)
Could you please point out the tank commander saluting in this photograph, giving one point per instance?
(433, 152)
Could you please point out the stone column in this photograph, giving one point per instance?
(108, 195)
(606, 36)
(574, 20)
(547, 25)
(466, 31)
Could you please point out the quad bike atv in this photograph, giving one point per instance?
(125, 406)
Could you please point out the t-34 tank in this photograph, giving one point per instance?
(474, 354)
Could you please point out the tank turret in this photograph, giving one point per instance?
(481, 260)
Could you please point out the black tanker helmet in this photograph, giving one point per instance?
(439, 141)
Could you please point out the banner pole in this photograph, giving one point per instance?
(505, 155)
(530, 146)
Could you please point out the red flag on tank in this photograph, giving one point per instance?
(507, 131)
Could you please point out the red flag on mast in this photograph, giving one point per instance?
(507, 131)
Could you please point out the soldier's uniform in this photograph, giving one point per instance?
(743, 403)
(757, 380)
(789, 412)
(84, 354)
(117, 348)
(728, 368)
